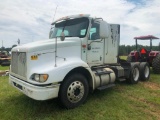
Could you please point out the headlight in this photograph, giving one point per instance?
(40, 77)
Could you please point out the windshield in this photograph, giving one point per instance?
(71, 28)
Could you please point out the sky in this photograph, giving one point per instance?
(30, 20)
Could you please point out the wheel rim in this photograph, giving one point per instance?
(75, 91)
(135, 74)
(146, 72)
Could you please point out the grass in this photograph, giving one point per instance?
(123, 57)
(4, 68)
(122, 102)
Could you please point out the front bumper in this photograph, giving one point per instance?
(33, 91)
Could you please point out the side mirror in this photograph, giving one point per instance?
(89, 47)
(51, 32)
(62, 36)
(104, 29)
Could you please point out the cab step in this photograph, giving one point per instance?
(106, 86)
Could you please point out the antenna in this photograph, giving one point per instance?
(55, 13)
(53, 21)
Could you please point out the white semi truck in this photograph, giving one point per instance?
(81, 55)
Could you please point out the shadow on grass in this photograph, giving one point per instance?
(26, 107)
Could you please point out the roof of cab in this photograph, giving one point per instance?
(71, 16)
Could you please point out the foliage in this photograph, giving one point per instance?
(123, 49)
(4, 68)
(14, 46)
(126, 49)
(5, 49)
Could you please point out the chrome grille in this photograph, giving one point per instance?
(18, 63)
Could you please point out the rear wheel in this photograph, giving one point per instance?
(134, 74)
(73, 91)
(156, 64)
(144, 71)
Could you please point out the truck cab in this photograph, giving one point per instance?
(81, 55)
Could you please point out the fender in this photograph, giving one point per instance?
(58, 73)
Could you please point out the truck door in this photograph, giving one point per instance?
(95, 46)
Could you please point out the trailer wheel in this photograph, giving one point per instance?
(134, 74)
(156, 64)
(74, 91)
(144, 71)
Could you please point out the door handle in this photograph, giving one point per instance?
(89, 47)
(100, 58)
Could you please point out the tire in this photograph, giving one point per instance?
(73, 91)
(134, 74)
(156, 64)
(144, 71)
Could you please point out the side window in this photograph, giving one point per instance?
(94, 32)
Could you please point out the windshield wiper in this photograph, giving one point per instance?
(80, 36)
(70, 36)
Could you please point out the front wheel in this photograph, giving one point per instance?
(73, 91)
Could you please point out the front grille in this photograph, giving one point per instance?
(18, 63)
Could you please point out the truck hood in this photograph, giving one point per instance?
(47, 44)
